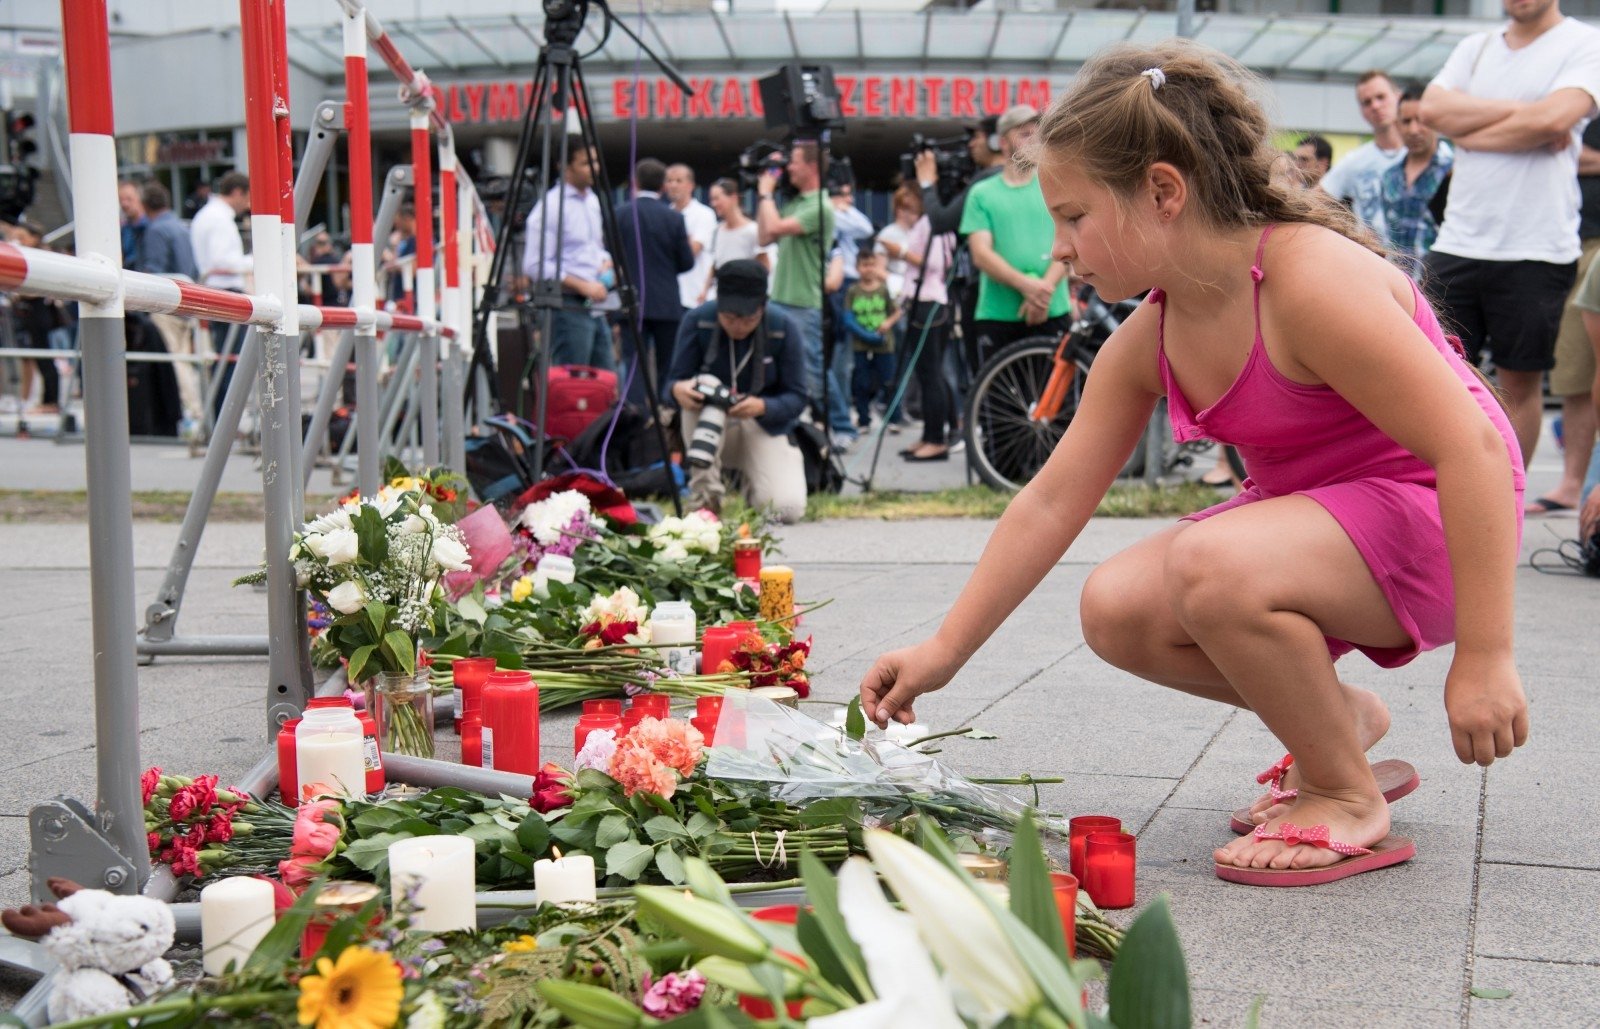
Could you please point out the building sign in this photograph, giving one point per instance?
(727, 97)
(183, 148)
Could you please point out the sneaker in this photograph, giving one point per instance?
(842, 441)
(959, 445)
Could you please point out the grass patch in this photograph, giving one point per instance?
(20, 506)
(1125, 500)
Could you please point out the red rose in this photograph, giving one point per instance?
(801, 685)
(220, 828)
(618, 632)
(148, 783)
(592, 629)
(550, 792)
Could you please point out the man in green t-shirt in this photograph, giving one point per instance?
(799, 230)
(1021, 292)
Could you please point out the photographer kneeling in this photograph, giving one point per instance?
(738, 374)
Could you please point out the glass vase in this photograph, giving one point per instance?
(403, 707)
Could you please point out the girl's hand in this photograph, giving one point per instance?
(1488, 712)
(899, 677)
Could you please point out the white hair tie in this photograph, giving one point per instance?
(1157, 77)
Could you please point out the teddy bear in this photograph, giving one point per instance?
(109, 947)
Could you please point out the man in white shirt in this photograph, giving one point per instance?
(1514, 101)
(578, 335)
(219, 255)
(701, 223)
(1355, 178)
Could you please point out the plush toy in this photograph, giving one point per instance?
(109, 947)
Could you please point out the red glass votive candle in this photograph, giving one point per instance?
(611, 706)
(371, 754)
(760, 1007)
(652, 705)
(511, 725)
(1108, 866)
(467, 676)
(288, 770)
(472, 741)
(1081, 827)
(707, 727)
(717, 646)
(747, 560)
(338, 899)
(708, 707)
(742, 627)
(594, 723)
(1065, 889)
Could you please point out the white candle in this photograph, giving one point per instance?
(673, 622)
(335, 758)
(439, 871)
(234, 915)
(565, 880)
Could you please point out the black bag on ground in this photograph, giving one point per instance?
(498, 467)
(633, 459)
(823, 472)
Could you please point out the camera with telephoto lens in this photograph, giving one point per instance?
(763, 158)
(951, 157)
(713, 419)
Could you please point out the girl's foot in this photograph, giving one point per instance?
(1372, 724)
(1358, 817)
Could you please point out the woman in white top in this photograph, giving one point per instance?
(907, 209)
(735, 235)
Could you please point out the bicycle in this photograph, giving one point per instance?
(1024, 396)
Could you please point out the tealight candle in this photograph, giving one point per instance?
(984, 867)
(785, 695)
(1108, 868)
(566, 879)
(1082, 826)
(905, 735)
(439, 872)
(235, 914)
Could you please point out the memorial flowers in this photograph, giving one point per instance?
(196, 828)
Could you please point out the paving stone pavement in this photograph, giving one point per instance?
(1502, 893)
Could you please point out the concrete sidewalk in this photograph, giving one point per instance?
(1502, 893)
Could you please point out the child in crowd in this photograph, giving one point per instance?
(1383, 507)
(870, 315)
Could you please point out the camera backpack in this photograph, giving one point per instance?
(576, 396)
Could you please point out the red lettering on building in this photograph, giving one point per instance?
(622, 99)
(669, 100)
(902, 98)
(700, 102)
(1035, 92)
(475, 101)
(503, 104)
(935, 90)
(847, 95)
(732, 105)
(756, 107)
(996, 96)
(961, 94)
(456, 113)
(872, 96)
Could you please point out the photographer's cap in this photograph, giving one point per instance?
(1021, 114)
(741, 288)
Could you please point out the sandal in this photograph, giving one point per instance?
(1391, 850)
(1395, 778)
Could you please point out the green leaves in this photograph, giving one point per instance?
(1032, 894)
(825, 937)
(1149, 981)
(1490, 993)
(628, 859)
(855, 722)
(372, 535)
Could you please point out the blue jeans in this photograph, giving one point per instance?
(810, 321)
(874, 373)
(578, 337)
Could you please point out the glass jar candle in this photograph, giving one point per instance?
(747, 560)
(672, 626)
(717, 646)
(777, 594)
(603, 706)
(467, 676)
(1108, 866)
(288, 791)
(1079, 828)
(511, 723)
(328, 752)
(472, 741)
(594, 723)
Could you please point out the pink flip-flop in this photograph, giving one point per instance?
(1395, 778)
(1391, 850)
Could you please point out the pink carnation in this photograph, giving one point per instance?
(674, 743)
(314, 837)
(673, 994)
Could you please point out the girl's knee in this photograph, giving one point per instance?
(1112, 614)
(1207, 574)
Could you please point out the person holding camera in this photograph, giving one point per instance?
(738, 375)
(1021, 292)
(803, 230)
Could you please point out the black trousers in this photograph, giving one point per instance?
(938, 407)
(658, 337)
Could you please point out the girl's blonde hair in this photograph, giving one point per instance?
(1191, 107)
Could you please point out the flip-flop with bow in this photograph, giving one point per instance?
(1395, 778)
(1391, 850)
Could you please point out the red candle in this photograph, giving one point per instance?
(747, 560)
(630, 718)
(653, 705)
(760, 1007)
(1082, 826)
(717, 646)
(1108, 865)
(610, 706)
(472, 741)
(708, 707)
(707, 727)
(742, 627)
(371, 755)
(594, 723)
(288, 785)
(1065, 888)
(468, 675)
(511, 725)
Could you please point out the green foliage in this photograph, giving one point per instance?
(1149, 981)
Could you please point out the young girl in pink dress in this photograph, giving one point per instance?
(1383, 508)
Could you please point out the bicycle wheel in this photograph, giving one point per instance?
(1006, 446)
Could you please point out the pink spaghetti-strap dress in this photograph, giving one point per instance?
(1309, 440)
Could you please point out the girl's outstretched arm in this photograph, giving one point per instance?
(1367, 347)
(1038, 525)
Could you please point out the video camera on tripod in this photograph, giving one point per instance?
(952, 158)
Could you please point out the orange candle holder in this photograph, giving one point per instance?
(1065, 888)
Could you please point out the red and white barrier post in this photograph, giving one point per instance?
(452, 313)
(86, 45)
(363, 269)
(422, 178)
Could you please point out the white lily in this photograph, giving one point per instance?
(956, 926)
(910, 990)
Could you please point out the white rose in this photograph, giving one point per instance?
(674, 551)
(338, 547)
(347, 598)
(413, 525)
(710, 540)
(450, 555)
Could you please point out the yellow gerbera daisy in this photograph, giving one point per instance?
(523, 944)
(361, 991)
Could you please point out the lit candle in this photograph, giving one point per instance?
(777, 593)
(235, 914)
(1079, 828)
(439, 872)
(984, 866)
(1108, 868)
(905, 735)
(564, 880)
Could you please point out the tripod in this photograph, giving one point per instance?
(558, 87)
